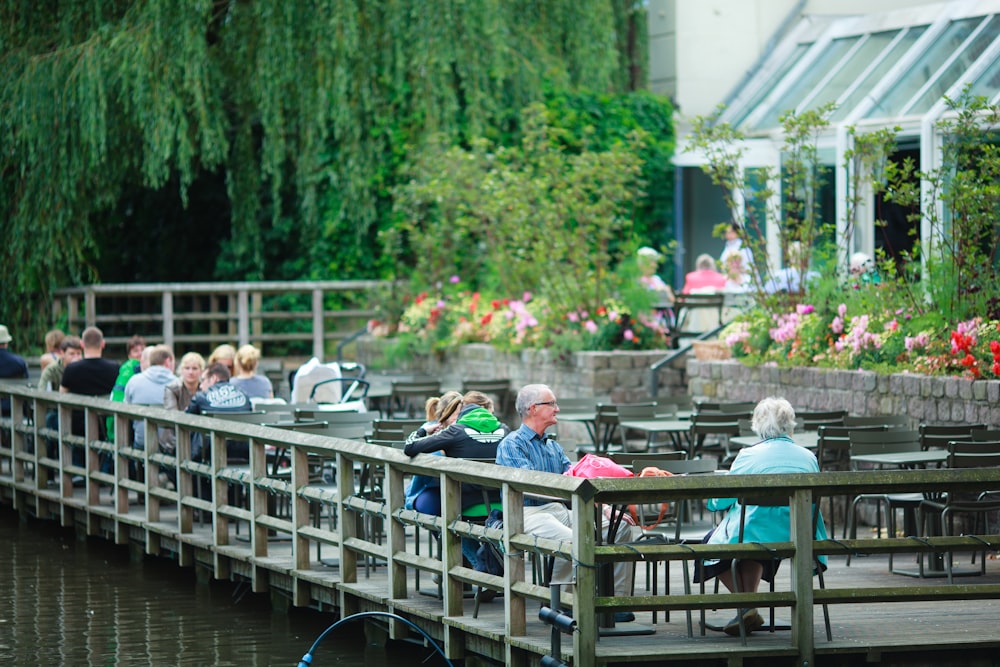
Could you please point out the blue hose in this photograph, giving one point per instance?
(308, 657)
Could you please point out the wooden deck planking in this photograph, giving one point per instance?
(862, 631)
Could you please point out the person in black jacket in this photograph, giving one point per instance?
(474, 435)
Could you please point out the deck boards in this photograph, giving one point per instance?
(899, 633)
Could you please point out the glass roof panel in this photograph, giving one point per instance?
(988, 83)
(957, 68)
(767, 86)
(842, 79)
(876, 73)
(924, 68)
(805, 83)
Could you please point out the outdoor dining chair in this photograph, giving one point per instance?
(883, 442)
(775, 501)
(945, 509)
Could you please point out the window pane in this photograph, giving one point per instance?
(853, 68)
(798, 91)
(767, 86)
(988, 83)
(876, 74)
(928, 63)
(957, 68)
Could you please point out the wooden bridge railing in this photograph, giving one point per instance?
(41, 481)
(203, 315)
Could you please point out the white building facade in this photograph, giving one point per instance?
(885, 63)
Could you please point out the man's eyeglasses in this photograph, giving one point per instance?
(552, 403)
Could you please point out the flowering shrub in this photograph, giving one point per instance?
(435, 321)
(887, 341)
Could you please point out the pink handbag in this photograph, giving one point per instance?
(591, 466)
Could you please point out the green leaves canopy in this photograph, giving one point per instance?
(98, 98)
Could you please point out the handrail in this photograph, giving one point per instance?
(348, 340)
(209, 313)
(654, 368)
(26, 469)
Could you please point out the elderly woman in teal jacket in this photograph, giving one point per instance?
(776, 453)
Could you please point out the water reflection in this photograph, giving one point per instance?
(66, 602)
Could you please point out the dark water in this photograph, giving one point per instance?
(69, 602)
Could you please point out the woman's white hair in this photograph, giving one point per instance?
(773, 417)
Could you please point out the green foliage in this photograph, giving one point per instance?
(530, 217)
(307, 108)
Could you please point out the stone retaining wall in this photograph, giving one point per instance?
(938, 400)
(624, 376)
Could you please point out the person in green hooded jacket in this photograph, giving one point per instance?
(474, 435)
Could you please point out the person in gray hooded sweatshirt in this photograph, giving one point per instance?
(149, 386)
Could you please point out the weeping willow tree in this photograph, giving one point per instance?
(280, 100)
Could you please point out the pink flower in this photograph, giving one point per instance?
(573, 317)
(526, 297)
(628, 335)
(842, 310)
(590, 326)
(804, 309)
(454, 280)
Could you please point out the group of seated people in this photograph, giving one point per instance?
(226, 382)
(464, 426)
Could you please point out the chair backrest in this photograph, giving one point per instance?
(745, 427)
(606, 425)
(708, 407)
(577, 404)
(394, 429)
(244, 417)
(892, 421)
(639, 460)
(986, 433)
(974, 454)
(409, 397)
(628, 411)
(889, 441)
(498, 390)
(937, 436)
(717, 423)
(811, 420)
(833, 450)
(348, 389)
(346, 431)
(318, 415)
(687, 466)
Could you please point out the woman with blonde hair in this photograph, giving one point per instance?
(224, 354)
(246, 378)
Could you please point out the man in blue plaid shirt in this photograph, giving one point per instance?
(529, 448)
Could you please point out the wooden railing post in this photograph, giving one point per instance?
(319, 347)
(242, 317)
(168, 319)
(585, 638)
(801, 511)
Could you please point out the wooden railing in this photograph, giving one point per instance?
(30, 476)
(202, 315)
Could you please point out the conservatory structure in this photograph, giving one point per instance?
(886, 70)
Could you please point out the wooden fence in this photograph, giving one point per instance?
(308, 314)
(201, 515)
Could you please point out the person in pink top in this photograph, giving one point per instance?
(705, 277)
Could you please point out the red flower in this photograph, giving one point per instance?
(996, 368)
(486, 319)
(995, 349)
(495, 303)
(601, 310)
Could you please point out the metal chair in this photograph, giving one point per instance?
(883, 442)
(498, 389)
(406, 399)
(776, 501)
(963, 454)
(395, 429)
(890, 421)
(811, 420)
(718, 425)
(833, 453)
(937, 436)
